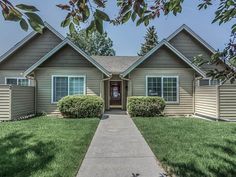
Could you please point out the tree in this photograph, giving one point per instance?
(151, 40)
(93, 43)
(92, 12)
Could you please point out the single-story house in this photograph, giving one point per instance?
(42, 68)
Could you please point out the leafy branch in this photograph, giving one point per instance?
(24, 14)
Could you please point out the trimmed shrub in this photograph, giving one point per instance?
(77, 106)
(141, 106)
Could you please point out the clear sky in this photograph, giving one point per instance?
(127, 38)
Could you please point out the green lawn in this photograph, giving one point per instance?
(44, 146)
(192, 147)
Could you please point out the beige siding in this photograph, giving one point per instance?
(67, 57)
(186, 76)
(191, 48)
(206, 101)
(163, 58)
(44, 84)
(22, 101)
(11, 73)
(31, 52)
(227, 101)
(4, 102)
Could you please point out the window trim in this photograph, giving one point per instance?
(162, 77)
(68, 76)
(17, 80)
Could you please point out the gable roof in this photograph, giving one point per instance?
(26, 39)
(199, 39)
(195, 35)
(66, 41)
(173, 49)
(116, 64)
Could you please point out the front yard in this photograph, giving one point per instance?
(44, 146)
(192, 147)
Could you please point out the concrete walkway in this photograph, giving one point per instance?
(119, 150)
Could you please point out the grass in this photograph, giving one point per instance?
(190, 147)
(44, 146)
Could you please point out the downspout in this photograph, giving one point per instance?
(129, 82)
(35, 93)
(102, 83)
(194, 94)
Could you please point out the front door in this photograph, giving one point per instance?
(115, 93)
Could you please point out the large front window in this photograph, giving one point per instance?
(67, 85)
(163, 86)
(17, 81)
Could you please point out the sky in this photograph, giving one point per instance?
(126, 38)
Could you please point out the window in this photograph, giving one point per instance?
(67, 85)
(208, 82)
(17, 81)
(165, 87)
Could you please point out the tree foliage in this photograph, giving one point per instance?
(93, 43)
(92, 12)
(151, 40)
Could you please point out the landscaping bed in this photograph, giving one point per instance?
(44, 146)
(190, 147)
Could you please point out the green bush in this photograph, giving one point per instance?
(145, 106)
(81, 106)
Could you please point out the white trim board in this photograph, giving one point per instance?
(57, 48)
(173, 49)
(28, 38)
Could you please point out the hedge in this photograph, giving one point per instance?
(81, 106)
(141, 106)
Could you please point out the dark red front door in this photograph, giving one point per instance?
(115, 93)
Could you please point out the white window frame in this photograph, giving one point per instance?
(209, 82)
(68, 76)
(162, 77)
(17, 80)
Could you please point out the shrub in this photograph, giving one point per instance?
(145, 106)
(81, 106)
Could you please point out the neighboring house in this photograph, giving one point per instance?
(55, 67)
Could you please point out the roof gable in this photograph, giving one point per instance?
(169, 46)
(25, 40)
(59, 47)
(194, 35)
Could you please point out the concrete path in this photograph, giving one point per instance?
(119, 150)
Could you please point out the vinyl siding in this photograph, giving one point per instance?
(186, 76)
(206, 101)
(67, 57)
(5, 102)
(191, 48)
(227, 101)
(163, 58)
(11, 73)
(22, 101)
(44, 84)
(31, 52)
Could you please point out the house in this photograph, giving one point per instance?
(43, 68)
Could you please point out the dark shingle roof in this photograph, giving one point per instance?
(116, 64)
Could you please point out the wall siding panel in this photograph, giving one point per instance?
(228, 101)
(31, 52)
(23, 102)
(206, 101)
(186, 77)
(44, 84)
(4, 102)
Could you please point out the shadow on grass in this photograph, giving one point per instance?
(224, 156)
(21, 155)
